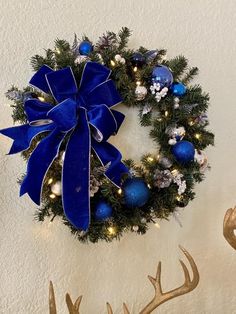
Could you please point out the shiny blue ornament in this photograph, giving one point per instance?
(103, 211)
(85, 48)
(183, 152)
(138, 59)
(136, 192)
(162, 75)
(178, 89)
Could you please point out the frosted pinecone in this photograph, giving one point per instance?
(163, 178)
(94, 185)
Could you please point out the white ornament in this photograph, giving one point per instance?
(172, 141)
(120, 59)
(117, 58)
(56, 188)
(140, 92)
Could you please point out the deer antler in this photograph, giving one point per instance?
(188, 285)
(52, 301)
(125, 309)
(158, 299)
(229, 226)
(72, 308)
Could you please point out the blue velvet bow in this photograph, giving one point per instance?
(84, 114)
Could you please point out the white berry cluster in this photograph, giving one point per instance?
(158, 92)
(119, 59)
(176, 103)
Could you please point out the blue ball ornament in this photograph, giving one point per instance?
(136, 192)
(183, 152)
(162, 75)
(85, 48)
(178, 89)
(103, 210)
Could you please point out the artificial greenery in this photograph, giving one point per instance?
(162, 201)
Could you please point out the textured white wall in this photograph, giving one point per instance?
(32, 254)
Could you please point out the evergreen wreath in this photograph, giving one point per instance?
(123, 195)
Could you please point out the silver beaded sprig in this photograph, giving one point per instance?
(159, 92)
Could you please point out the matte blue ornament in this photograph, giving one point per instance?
(85, 48)
(162, 75)
(103, 210)
(136, 192)
(183, 152)
(138, 59)
(178, 89)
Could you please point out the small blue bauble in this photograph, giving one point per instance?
(162, 75)
(138, 59)
(136, 192)
(102, 211)
(178, 89)
(183, 151)
(85, 48)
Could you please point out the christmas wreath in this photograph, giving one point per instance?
(67, 115)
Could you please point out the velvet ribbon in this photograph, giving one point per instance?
(84, 114)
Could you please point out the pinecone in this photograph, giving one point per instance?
(94, 185)
(163, 179)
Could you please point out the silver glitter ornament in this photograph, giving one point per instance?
(140, 92)
(165, 162)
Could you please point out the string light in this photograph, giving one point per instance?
(174, 172)
(150, 159)
(157, 225)
(191, 123)
(166, 113)
(50, 181)
(111, 231)
(135, 69)
(197, 136)
(113, 63)
(149, 186)
(179, 198)
(58, 51)
(138, 83)
(119, 191)
(52, 196)
(41, 98)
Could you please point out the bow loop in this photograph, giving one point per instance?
(93, 75)
(39, 81)
(62, 84)
(64, 115)
(102, 131)
(36, 111)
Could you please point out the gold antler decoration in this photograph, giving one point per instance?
(72, 308)
(159, 297)
(229, 226)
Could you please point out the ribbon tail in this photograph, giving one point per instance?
(76, 175)
(39, 163)
(109, 155)
(23, 135)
